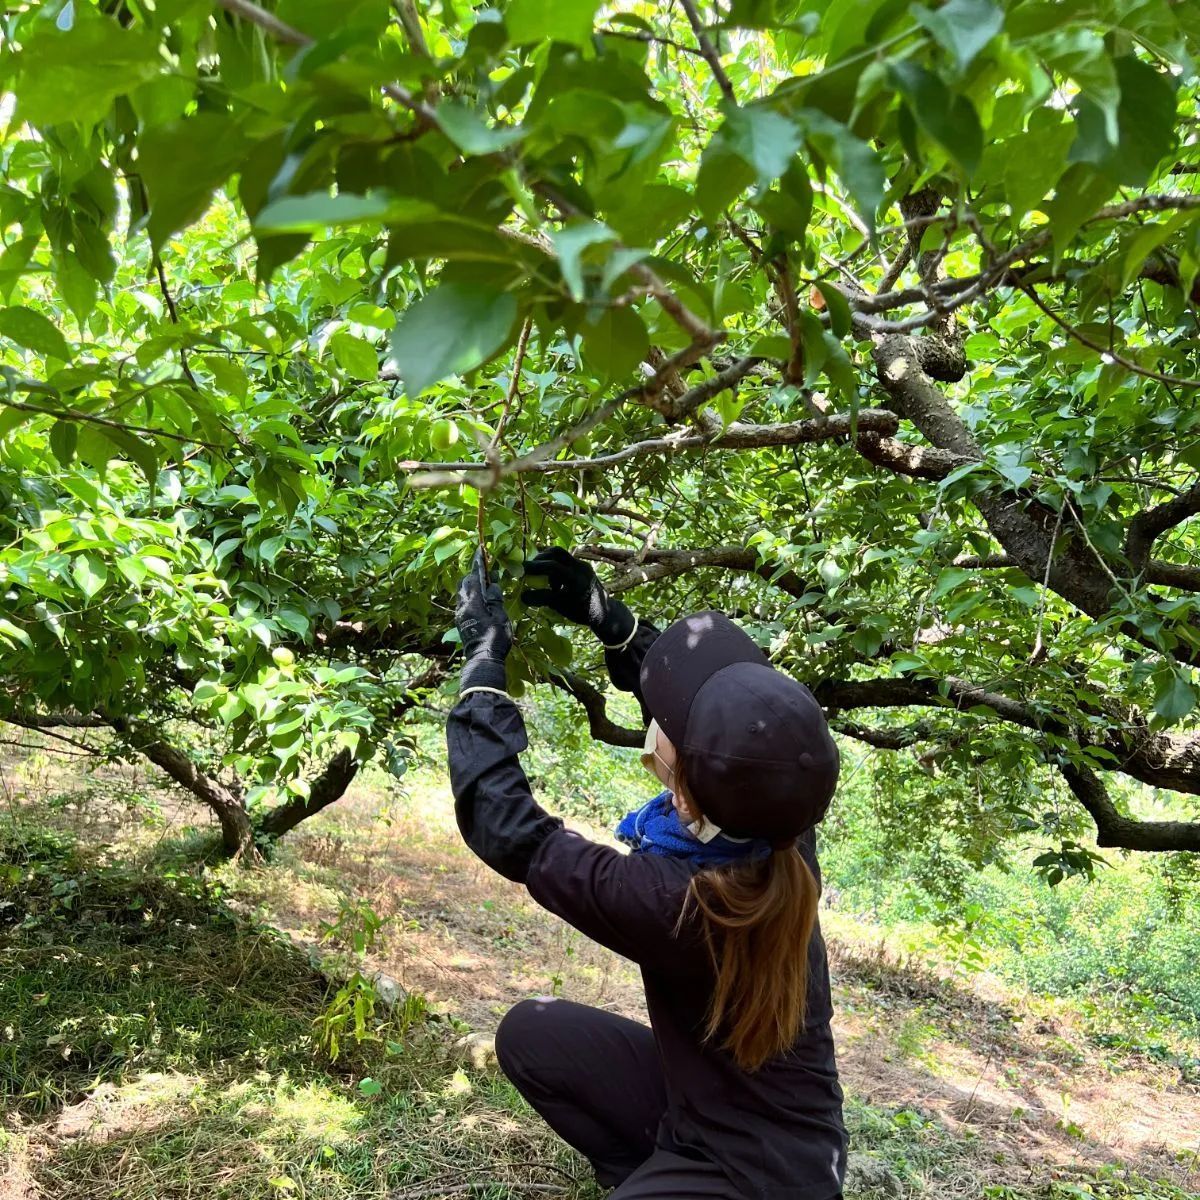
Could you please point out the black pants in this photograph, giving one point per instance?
(596, 1080)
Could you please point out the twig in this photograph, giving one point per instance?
(173, 312)
(893, 273)
(641, 35)
(1039, 649)
(708, 50)
(1100, 348)
(75, 414)
(514, 391)
(283, 32)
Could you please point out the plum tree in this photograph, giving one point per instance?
(872, 323)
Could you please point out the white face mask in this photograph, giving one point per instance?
(703, 828)
(653, 761)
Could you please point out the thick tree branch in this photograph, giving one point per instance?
(602, 727)
(1153, 522)
(908, 458)
(884, 739)
(1114, 829)
(1025, 529)
(1165, 760)
(237, 834)
(327, 787)
(1157, 571)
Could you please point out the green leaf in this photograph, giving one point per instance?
(837, 307)
(89, 573)
(33, 331)
(182, 163)
(570, 242)
(470, 132)
(228, 376)
(14, 633)
(763, 139)
(1080, 192)
(552, 20)
(962, 27)
(948, 118)
(76, 286)
(370, 1087)
(319, 210)
(1174, 695)
(73, 75)
(615, 344)
(1145, 125)
(857, 164)
(1035, 159)
(355, 355)
(63, 438)
(450, 330)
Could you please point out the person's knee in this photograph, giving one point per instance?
(521, 1032)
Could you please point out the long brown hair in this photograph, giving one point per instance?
(757, 918)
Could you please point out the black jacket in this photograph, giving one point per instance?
(777, 1132)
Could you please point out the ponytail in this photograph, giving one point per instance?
(757, 919)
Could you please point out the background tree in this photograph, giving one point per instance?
(872, 323)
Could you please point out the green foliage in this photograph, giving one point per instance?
(1121, 943)
(257, 281)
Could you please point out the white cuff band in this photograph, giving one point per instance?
(622, 645)
(481, 688)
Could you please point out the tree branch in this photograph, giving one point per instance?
(708, 50)
(665, 564)
(884, 739)
(601, 726)
(237, 834)
(327, 787)
(1114, 829)
(1164, 760)
(1150, 524)
(735, 437)
(1157, 571)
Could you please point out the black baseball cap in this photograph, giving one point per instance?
(754, 744)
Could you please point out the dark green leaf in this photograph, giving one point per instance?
(858, 165)
(450, 330)
(1145, 132)
(962, 27)
(1174, 695)
(948, 118)
(33, 331)
(557, 20)
(182, 163)
(616, 343)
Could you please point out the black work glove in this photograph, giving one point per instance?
(484, 628)
(576, 594)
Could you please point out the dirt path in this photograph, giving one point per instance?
(1018, 1080)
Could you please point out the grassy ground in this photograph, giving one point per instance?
(159, 1038)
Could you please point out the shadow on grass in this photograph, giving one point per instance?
(160, 1047)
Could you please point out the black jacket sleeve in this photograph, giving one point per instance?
(496, 812)
(625, 666)
(630, 903)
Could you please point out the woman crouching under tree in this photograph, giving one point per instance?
(732, 1091)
